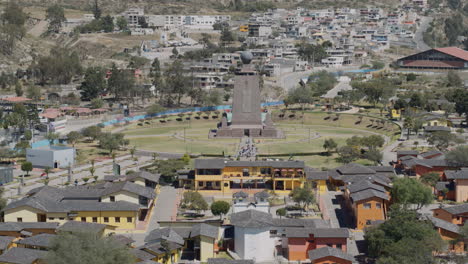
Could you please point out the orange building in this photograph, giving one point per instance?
(448, 221)
(328, 255)
(457, 214)
(302, 240)
(369, 202)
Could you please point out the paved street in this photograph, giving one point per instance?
(418, 36)
(343, 85)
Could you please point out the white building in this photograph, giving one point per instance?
(241, 202)
(51, 156)
(252, 238)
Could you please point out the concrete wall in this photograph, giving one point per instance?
(461, 191)
(27, 214)
(254, 243)
(48, 157)
(206, 248)
(122, 196)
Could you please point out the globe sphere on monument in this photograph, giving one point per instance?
(246, 57)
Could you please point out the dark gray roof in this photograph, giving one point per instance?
(431, 153)
(147, 261)
(457, 209)
(252, 218)
(305, 223)
(75, 226)
(18, 226)
(440, 186)
(158, 248)
(221, 163)
(129, 187)
(5, 241)
(317, 232)
(317, 175)
(167, 234)
(436, 128)
(229, 261)
(407, 152)
(262, 195)
(139, 253)
(184, 232)
(124, 240)
(365, 194)
(438, 161)
(461, 174)
(41, 240)
(240, 194)
(364, 185)
(329, 251)
(154, 177)
(19, 255)
(204, 230)
(439, 223)
(354, 168)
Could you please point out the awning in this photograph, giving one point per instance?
(291, 170)
(284, 170)
(299, 170)
(277, 169)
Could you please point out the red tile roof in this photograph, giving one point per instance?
(16, 99)
(454, 51)
(435, 64)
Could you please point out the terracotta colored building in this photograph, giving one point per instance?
(448, 58)
(328, 255)
(448, 221)
(368, 202)
(302, 240)
(417, 166)
(458, 182)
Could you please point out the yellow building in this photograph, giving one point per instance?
(244, 28)
(118, 205)
(229, 175)
(395, 113)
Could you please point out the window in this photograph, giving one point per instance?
(61, 218)
(51, 218)
(378, 205)
(329, 245)
(340, 246)
(129, 219)
(106, 219)
(83, 219)
(94, 219)
(367, 206)
(112, 198)
(368, 222)
(117, 219)
(200, 184)
(19, 219)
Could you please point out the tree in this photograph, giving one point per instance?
(329, 145)
(168, 168)
(454, 4)
(59, 67)
(94, 83)
(154, 109)
(220, 208)
(175, 52)
(213, 98)
(19, 89)
(87, 248)
(302, 95)
(176, 81)
(12, 28)
(34, 92)
(52, 137)
(107, 23)
(73, 137)
(122, 23)
(97, 103)
(403, 238)
(92, 169)
(408, 191)
(194, 201)
(3, 201)
(56, 16)
(303, 197)
(186, 158)
(458, 157)
(28, 135)
(132, 151)
(408, 124)
(155, 73)
(93, 132)
(27, 167)
(121, 82)
(416, 100)
(374, 156)
(460, 98)
(226, 36)
(373, 142)
(96, 10)
(441, 139)
(310, 52)
(347, 154)
(111, 142)
(410, 77)
(454, 79)
(22, 146)
(430, 178)
(281, 212)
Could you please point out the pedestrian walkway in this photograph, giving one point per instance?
(246, 150)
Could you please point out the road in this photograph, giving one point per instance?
(418, 36)
(343, 85)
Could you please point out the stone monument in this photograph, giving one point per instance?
(246, 107)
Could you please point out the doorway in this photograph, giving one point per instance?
(247, 132)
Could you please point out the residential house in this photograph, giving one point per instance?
(354, 172)
(18, 255)
(252, 238)
(39, 242)
(369, 202)
(241, 202)
(6, 242)
(23, 229)
(144, 178)
(457, 214)
(417, 166)
(458, 184)
(120, 205)
(230, 261)
(316, 179)
(448, 221)
(325, 255)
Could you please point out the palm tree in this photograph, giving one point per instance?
(408, 124)
(132, 151)
(47, 171)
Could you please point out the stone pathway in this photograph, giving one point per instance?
(247, 150)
